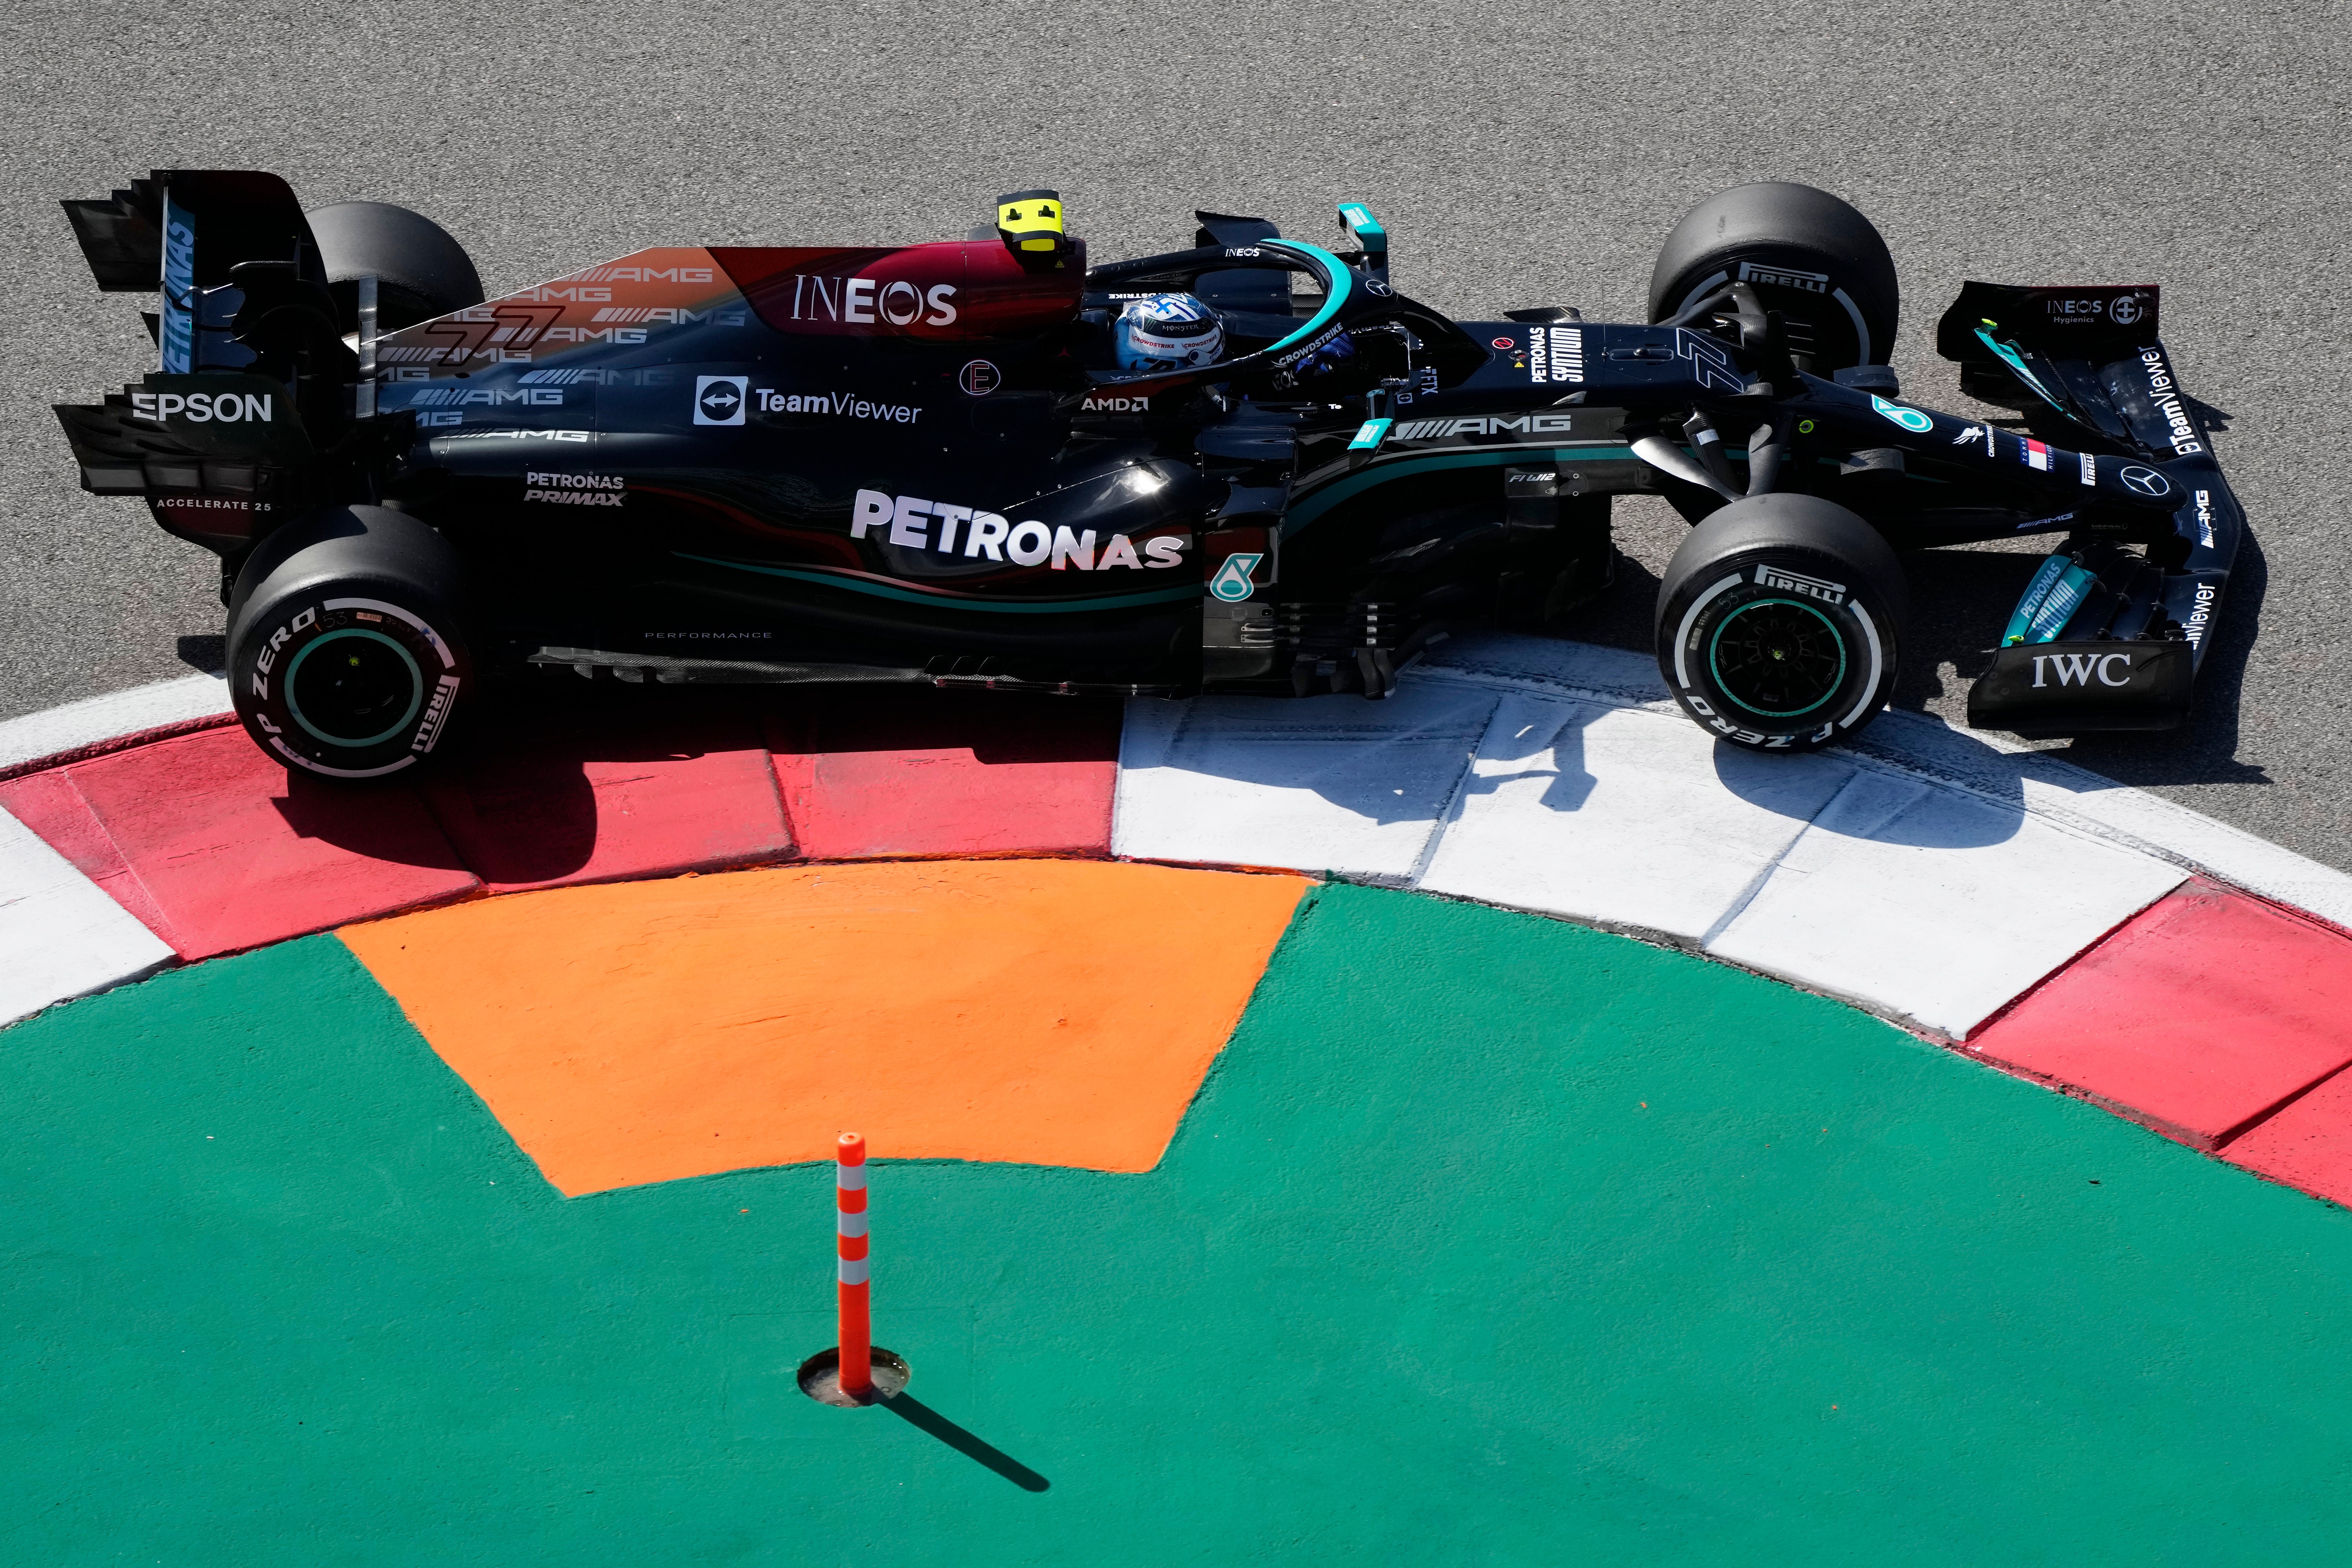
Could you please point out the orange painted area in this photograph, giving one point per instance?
(1042, 1012)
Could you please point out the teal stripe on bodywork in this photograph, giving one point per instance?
(1331, 302)
(1302, 512)
(907, 596)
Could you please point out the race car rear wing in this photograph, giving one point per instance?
(122, 236)
(184, 232)
(253, 379)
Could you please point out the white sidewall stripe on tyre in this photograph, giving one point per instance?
(307, 765)
(1690, 617)
(1877, 665)
(448, 659)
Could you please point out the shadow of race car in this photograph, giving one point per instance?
(940, 464)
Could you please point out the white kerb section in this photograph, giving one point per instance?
(1318, 783)
(1583, 791)
(110, 717)
(60, 937)
(1620, 817)
(1932, 904)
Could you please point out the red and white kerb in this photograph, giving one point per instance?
(849, 1228)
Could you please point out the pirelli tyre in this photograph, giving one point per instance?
(1780, 623)
(345, 656)
(1807, 254)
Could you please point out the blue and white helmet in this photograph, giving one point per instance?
(1167, 331)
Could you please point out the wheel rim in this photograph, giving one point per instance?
(1778, 657)
(353, 688)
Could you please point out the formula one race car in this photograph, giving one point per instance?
(1248, 465)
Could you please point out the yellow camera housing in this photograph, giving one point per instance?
(1030, 223)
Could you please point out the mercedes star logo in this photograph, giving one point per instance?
(2147, 481)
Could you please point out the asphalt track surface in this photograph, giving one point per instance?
(1517, 158)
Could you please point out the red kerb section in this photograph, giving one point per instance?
(215, 847)
(229, 852)
(50, 804)
(877, 771)
(2307, 1145)
(2200, 1015)
(633, 801)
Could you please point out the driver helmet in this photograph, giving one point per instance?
(1167, 331)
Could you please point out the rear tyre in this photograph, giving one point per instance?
(1807, 254)
(1779, 623)
(421, 271)
(345, 657)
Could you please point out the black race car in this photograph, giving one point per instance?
(922, 463)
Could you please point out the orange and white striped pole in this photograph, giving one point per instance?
(856, 1314)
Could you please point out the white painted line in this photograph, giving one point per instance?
(1930, 904)
(78, 725)
(1323, 783)
(59, 936)
(1620, 817)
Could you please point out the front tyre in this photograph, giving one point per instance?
(345, 654)
(1807, 255)
(1779, 623)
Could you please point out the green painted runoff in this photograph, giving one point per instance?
(1490, 1239)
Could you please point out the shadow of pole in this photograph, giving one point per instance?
(922, 1418)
